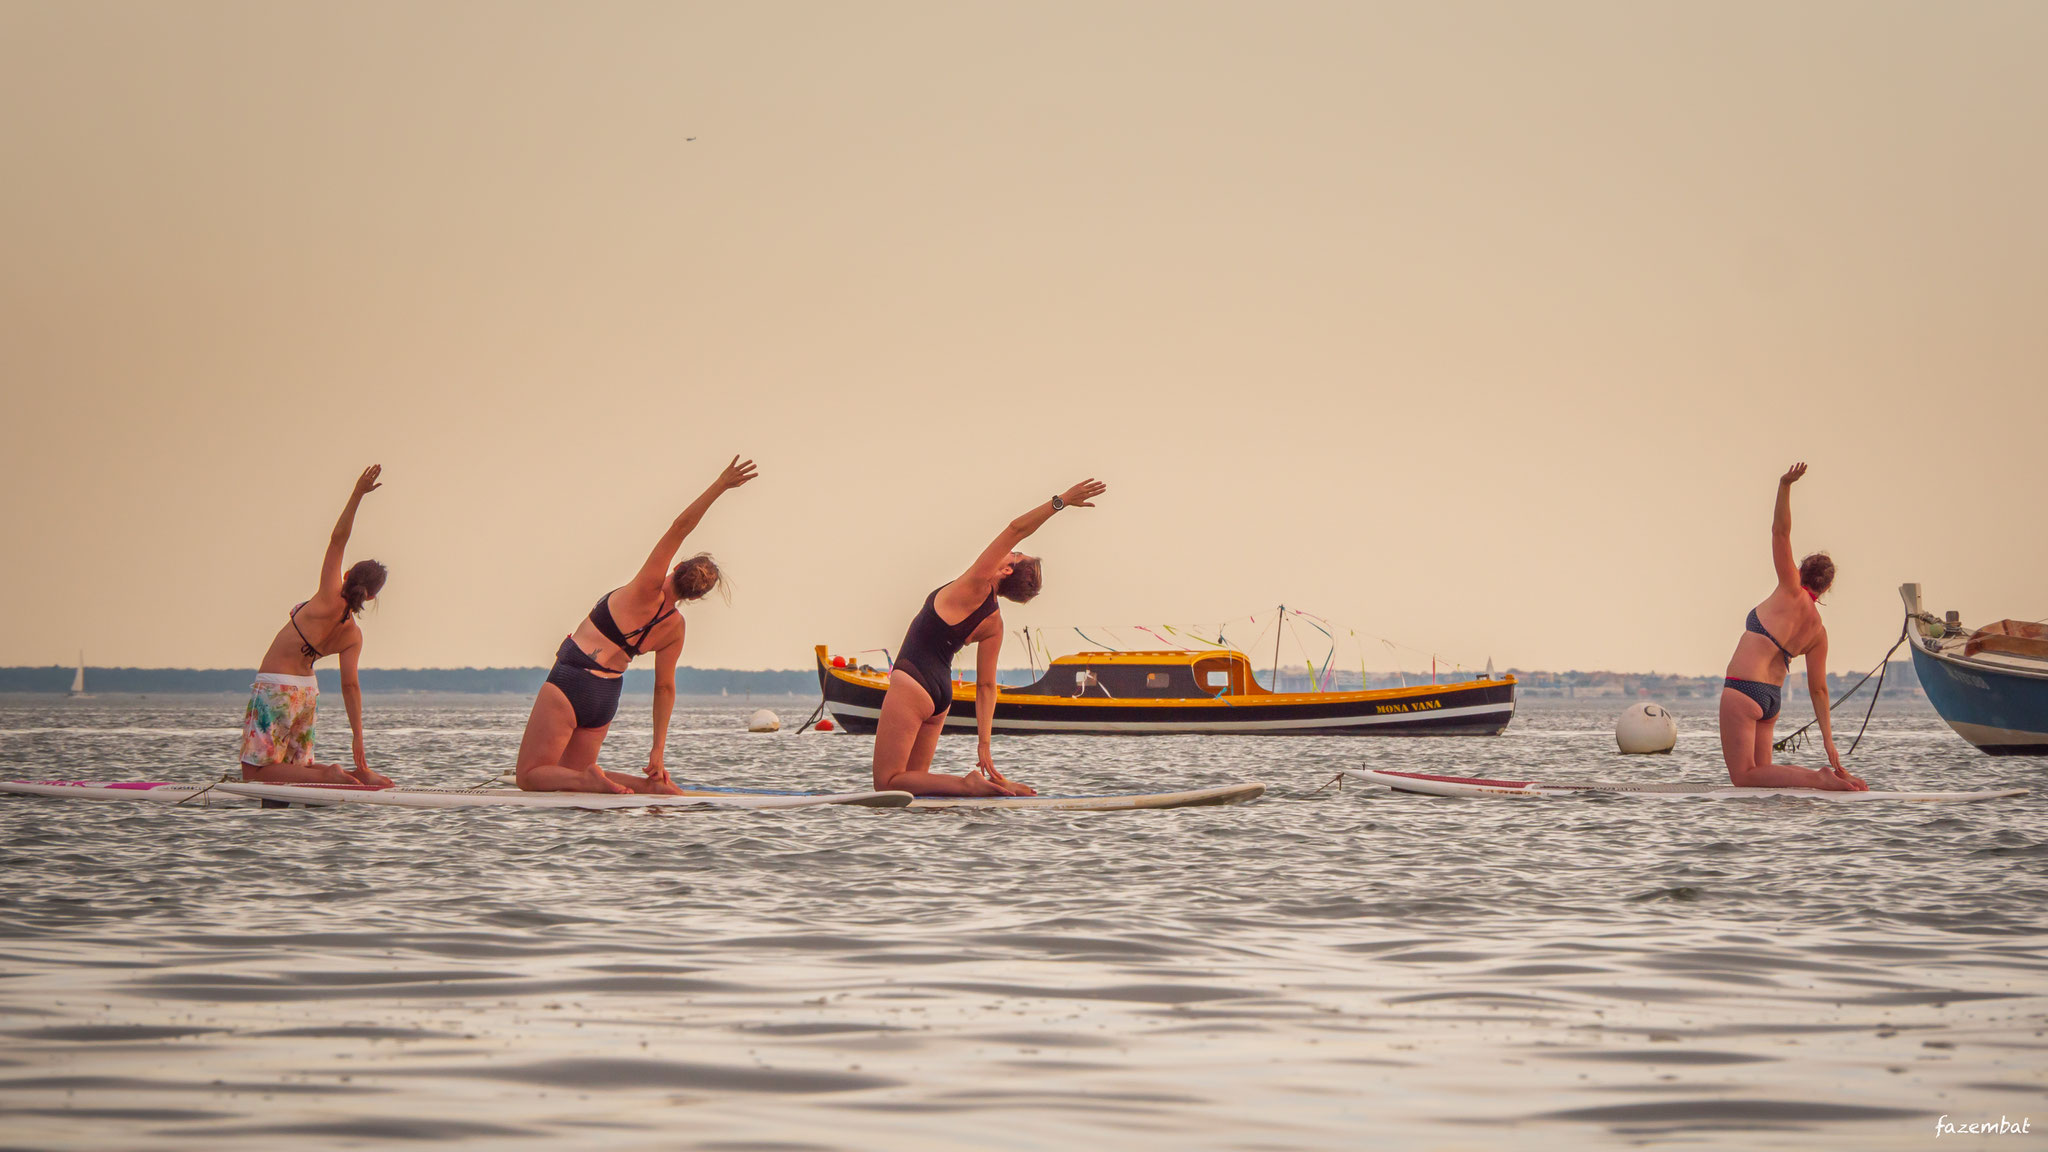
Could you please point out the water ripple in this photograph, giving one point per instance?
(1290, 973)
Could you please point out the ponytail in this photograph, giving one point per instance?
(362, 584)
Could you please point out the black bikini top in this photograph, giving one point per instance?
(628, 642)
(1756, 625)
(306, 648)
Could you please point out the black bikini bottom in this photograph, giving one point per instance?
(1766, 695)
(595, 698)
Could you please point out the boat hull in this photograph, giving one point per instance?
(1470, 708)
(2003, 712)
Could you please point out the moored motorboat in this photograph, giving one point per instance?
(1990, 684)
(1158, 693)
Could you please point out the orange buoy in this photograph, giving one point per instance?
(839, 661)
(825, 724)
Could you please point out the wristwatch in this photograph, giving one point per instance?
(1058, 503)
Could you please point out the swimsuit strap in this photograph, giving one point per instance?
(975, 617)
(305, 646)
(627, 642)
(640, 633)
(956, 634)
(1755, 624)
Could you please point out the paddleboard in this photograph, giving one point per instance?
(321, 795)
(1113, 802)
(1521, 789)
(510, 778)
(155, 792)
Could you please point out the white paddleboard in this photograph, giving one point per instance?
(154, 792)
(1522, 789)
(1114, 802)
(408, 797)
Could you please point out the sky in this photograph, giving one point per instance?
(1482, 328)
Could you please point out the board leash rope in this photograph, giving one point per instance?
(1337, 780)
(1797, 738)
(203, 791)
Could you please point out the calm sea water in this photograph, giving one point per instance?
(1322, 968)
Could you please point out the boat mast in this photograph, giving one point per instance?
(1277, 622)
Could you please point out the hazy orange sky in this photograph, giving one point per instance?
(1484, 327)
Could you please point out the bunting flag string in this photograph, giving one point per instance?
(1161, 639)
(1285, 625)
(1092, 640)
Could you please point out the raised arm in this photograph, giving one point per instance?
(648, 580)
(1781, 529)
(991, 561)
(337, 541)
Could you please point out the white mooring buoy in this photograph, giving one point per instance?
(1645, 728)
(764, 721)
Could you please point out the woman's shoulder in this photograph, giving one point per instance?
(1793, 598)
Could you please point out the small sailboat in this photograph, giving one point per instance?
(78, 691)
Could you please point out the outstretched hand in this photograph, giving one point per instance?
(1082, 495)
(1793, 474)
(367, 482)
(736, 473)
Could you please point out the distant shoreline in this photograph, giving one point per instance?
(1573, 686)
(234, 700)
(381, 681)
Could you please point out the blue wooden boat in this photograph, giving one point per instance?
(1990, 684)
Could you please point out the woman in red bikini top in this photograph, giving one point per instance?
(1785, 625)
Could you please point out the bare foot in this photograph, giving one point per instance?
(372, 777)
(599, 781)
(999, 785)
(305, 772)
(977, 784)
(662, 786)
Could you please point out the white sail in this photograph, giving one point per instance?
(78, 677)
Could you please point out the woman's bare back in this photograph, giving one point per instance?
(327, 627)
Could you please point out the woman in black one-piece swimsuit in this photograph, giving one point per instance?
(921, 683)
(575, 707)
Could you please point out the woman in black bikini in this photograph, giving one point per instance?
(1785, 625)
(575, 707)
(921, 683)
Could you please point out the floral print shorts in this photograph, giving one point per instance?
(278, 728)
